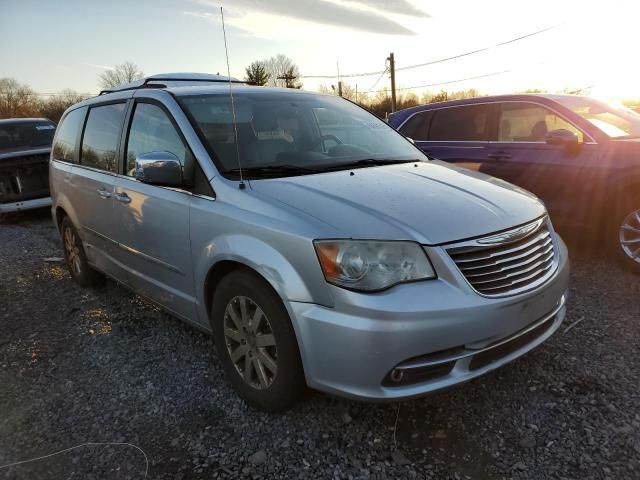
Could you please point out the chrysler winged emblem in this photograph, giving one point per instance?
(511, 235)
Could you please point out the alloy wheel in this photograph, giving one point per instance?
(630, 236)
(72, 250)
(250, 342)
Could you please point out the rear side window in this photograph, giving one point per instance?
(101, 137)
(467, 124)
(68, 131)
(417, 127)
(152, 131)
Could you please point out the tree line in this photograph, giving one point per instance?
(19, 100)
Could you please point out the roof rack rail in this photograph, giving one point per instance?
(157, 81)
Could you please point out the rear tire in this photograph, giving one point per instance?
(256, 342)
(75, 256)
(625, 233)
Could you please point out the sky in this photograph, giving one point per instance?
(58, 44)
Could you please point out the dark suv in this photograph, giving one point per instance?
(580, 155)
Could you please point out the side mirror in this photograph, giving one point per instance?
(159, 168)
(562, 137)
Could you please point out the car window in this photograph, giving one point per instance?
(335, 126)
(101, 136)
(417, 127)
(152, 131)
(614, 121)
(68, 131)
(471, 123)
(18, 135)
(300, 129)
(527, 122)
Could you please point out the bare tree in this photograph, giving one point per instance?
(348, 91)
(54, 106)
(123, 73)
(17, 99)
(256, 74)
(283, 72)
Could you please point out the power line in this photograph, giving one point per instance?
(441, 60)
(349, 75)
(382, 72)
(493, 74)
(377, 81)
(484, 49)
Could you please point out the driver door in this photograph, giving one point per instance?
(558, 175)
(153, 221)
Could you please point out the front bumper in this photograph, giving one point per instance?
(25, 205)
(439, 332)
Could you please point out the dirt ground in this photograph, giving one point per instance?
(90, 366)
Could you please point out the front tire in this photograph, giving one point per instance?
(256, 342)
(76, 259)
(626, 234)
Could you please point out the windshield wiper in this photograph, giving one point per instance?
(273, 170)
(292, 170)
(365, 162)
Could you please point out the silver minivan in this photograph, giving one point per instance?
(319, 246)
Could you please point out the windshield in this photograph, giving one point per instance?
(18, 135)
(615, 122)
(302, 132)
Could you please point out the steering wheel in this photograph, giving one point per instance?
(322, 138)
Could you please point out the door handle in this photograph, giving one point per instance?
(103, 193)
(123, 197)
(499, 156)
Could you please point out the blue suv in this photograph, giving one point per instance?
(578, 154)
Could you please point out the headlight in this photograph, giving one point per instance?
(372, 265)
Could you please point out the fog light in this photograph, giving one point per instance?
(396, 375)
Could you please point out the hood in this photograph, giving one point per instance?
(428, 202)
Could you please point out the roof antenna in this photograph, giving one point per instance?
(233, 106)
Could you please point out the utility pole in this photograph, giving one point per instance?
(392, 72)
(289, 80)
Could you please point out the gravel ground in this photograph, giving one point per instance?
(87, 366)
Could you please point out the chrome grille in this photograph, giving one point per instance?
(507, 263)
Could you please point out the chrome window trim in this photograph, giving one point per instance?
(538, 104)
(64, 162)
(174, 189)
(119, 175)
(93, 169)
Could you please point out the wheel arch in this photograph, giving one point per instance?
(624, 187)
(287, 269)
(215, 275)
(220, 270)
(64, 208)
(60, 214)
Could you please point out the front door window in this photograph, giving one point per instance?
(528, 122)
